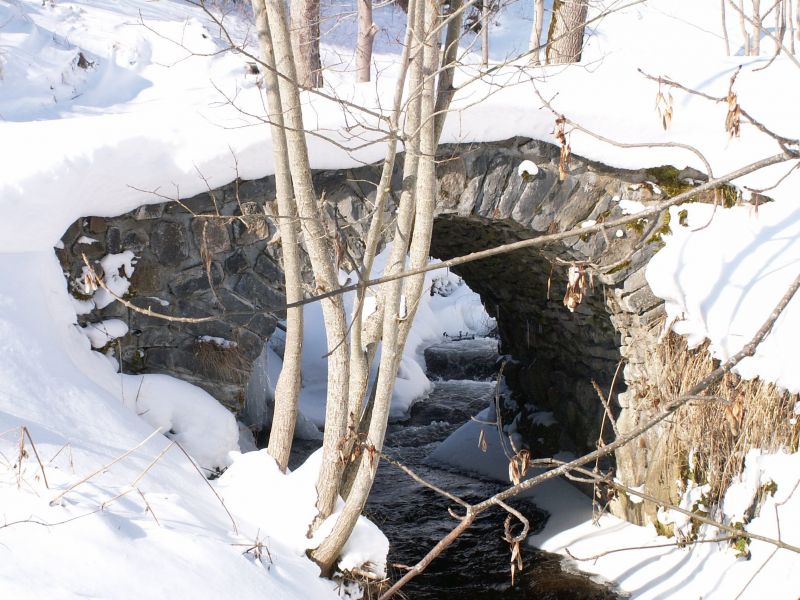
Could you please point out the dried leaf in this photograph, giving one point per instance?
(513, 471)
(561, 136)
(664, 108)
(576, 287)
(515, 555)
(733, 120)
(482, 441)
(525, 461)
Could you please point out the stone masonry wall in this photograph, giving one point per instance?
(217, 255)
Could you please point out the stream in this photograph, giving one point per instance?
(414, 518)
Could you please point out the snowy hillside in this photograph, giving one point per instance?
(105, 106)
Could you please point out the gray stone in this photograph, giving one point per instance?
(97, 225)
(168, 243)
(259, 292)
(252, 226)
(197, 279)
(135, 241)
(147, 278)
(237, 263)
(211, 236)
(149, 211)
(113, 240)
(641, 300)
(202, 204)
(269, 269)
(262, 325)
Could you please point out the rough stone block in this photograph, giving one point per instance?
(147, 278)
(196, 279)
(236, 263)
(269, 269)
(168, 242)
(150, 211)
(211, 236)
(641, 300)
(113, 240)
(259, 292)
(135, 241)
(252, 226)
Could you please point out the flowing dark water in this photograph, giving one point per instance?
(414, 518)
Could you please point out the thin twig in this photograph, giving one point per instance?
(211, 487)
(726, 538)
(104, 467)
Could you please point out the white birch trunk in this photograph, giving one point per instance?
(321, 255)
(757, 26)
(536, 32)
(444, 89)
(745, 35)
(391, 351)
(485, 33)
(287, 388)
(724, 28)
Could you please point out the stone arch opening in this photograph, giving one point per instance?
(217, 254)
(557, 354)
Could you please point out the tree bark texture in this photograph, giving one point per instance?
(287, 388)
(321, 256)
(757, 26)
(305, 42)
(485, 32)
(536, 32)
(366, 36)
(326, 554)
(444, 88)
(565, 37)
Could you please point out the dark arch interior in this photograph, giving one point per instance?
(557, 353)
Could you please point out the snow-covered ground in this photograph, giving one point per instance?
(102, 103)
(641, 562)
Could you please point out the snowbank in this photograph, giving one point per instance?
(641, 562)
(721, 275)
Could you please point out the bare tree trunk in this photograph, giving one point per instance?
(287, 389)
(536, 32)
(366, 35)
(444, 89)
(724, 28)
(363, 347)
(757, 27)
(797, 19)
(790, 21)
(305, 42)
(780, 26)
(321, 255)
(565, 38)
(391, 351)
(485, 32)
(745, 35)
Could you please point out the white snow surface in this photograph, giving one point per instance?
(636, 563)
(721, 276)
(102, 333)
(68, 398)
(148, 117)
